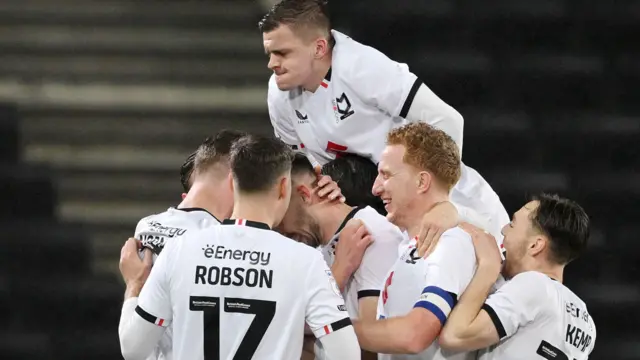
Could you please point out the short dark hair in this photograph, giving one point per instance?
(355, 176)
(215, 148)
(565, 223)
(300, 165)
(297, 13)
(257, 162)
(186, 170)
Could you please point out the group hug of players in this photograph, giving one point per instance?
(355, 232)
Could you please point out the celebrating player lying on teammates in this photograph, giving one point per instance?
(418, 168)
(330, 94)
(210, 198)
(239, 277)
(355, 175)
(533, 315)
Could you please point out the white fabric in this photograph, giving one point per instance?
(449, 268)
(360, 104)
(154, 231)
(267, 276)
(532, 308)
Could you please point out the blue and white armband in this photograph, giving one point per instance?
(437, 301)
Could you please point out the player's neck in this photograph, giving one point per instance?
(330, 216)
(555, 272)
(255, 208)
(421, 206)
(322, 68)
(200, 196)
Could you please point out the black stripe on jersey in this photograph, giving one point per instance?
(250, 223)
(412, 94)
(349, 216)
(328, 76)
(454, 296)
(197, 209)
(496, 320)
(340, 324)
(368, 293)
(145, 315)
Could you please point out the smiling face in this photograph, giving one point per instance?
(519, 234)
(291, 57)
(396, 184)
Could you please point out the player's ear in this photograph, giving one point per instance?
(304, 193)
(322, 48)
(230, 181)
(423, 181)
(538, 244)
(283, 187)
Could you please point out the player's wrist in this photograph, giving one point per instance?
(133, 289)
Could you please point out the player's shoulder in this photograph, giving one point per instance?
(378, 224)
(354, 59)
(455, 244)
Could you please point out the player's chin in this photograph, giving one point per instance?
(283, 82)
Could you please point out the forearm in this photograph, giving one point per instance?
(132, 291)
(138, 337)
(341, 275)
(387, 336)
(459, 324)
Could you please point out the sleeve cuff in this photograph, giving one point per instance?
(496, 320)
(335, 326)
(368, 293)
(150, 318)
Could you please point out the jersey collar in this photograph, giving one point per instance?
(196, 209)
(349, 216)
(243, 222)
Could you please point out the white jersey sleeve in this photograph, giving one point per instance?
(154, 302)
(516, 303)
(449, 270)
(379, 257)
(326, 311)
(282, 126)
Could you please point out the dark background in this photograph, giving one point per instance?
(102, 100)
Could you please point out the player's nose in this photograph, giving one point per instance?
(376, 190)
(273, 63)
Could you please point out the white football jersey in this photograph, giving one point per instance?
(154, 231)
(434, 283)
(378, 258)
(241, 291)
(539, 318)
(364, 96)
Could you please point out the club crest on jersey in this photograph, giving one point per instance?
(411, 255)
(302, 119)
(342, 107)
(333, 283)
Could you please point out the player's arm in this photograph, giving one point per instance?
(144, 319)
(476, 324)
(394, 89)
(372, 273)
(326, 313)
(449, 266)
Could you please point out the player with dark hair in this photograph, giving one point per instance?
(355, 176)
(533, 315)
(330, 95)
(228, 289)
(186, 172)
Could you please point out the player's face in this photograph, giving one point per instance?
(396, 184)
(517, 237)
(299, 224)
(290, 57)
